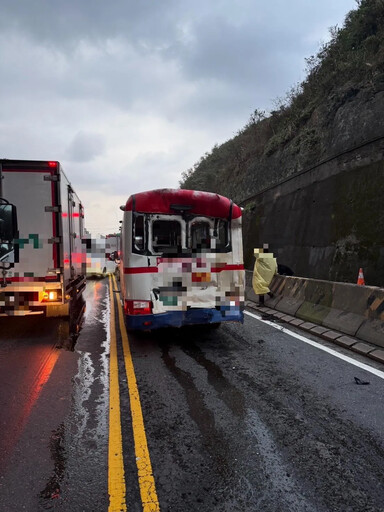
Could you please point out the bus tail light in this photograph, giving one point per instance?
(201, 277)
(137, 307)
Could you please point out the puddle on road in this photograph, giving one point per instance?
(89, 311)
(59, 457)
(91, 384)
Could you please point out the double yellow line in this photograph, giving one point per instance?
(116, 478)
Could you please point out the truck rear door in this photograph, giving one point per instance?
(31, 186)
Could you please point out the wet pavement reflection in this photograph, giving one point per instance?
(80, 444)
(54, 407)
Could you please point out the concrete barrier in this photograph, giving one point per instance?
(348, 308)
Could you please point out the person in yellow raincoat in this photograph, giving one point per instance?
(264, 270)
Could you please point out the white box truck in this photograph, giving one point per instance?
(102, 254)
(112, 251)
(46, 270)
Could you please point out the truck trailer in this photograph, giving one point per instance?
(48, 270)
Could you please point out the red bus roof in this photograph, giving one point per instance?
(172, 201)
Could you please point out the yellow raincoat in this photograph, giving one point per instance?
(264, 270)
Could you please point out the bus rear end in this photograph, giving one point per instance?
(181, 260)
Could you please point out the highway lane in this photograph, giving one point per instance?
(24, 369)
(58, 456)
(249, 418)
(245, 417)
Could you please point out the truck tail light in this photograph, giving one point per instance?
(51, 296)
(137, 307)
(52, 277)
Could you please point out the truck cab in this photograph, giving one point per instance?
(8, 232)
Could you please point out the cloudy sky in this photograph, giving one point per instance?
(127, 94)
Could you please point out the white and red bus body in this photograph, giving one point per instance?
(49, 256)
(181, 259)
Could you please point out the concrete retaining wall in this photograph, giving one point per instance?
(324, 224)
(351, 309)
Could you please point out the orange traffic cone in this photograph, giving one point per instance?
(360, 279)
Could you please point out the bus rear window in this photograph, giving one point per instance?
(166, 234)
(209, 236)
(139, 233)
(221, 235)
(200, 235)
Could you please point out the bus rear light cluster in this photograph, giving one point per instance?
(137, 307)
(201, 277)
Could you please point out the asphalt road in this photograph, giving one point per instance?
(245, 417)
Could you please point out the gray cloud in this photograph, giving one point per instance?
(66, 23)
(142, 55)
(129, 94)
(86, 147)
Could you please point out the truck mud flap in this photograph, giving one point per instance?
(57, 310)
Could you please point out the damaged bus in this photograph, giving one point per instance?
(181, 259)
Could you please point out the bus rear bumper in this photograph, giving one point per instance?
(182, 318)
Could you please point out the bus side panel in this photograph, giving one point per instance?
(124, 251)
(237, 241)
(234, 281)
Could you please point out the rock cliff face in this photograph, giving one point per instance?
(311, 176)
(327, 220)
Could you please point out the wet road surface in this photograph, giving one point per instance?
(244, 417)
(57, 459)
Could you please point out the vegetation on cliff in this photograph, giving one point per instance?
(352, 61)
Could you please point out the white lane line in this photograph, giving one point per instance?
(350, 360)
